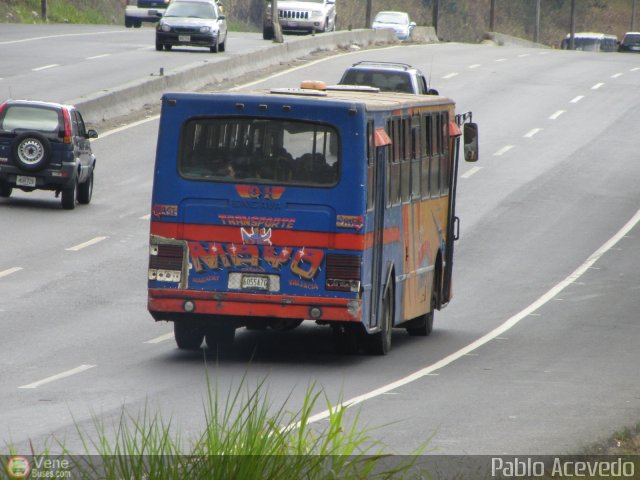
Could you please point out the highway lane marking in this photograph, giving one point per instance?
(503, 150)
(86, 244)
(98, 56)
(146, 217)
(59, 376)
(522, 55)
(616, 75)
(450, 75)
(45, 67)
(597, 86)
(634, 69)
(475, 65)
(493, 334)
(129, 125)
(9, 271)
(501, 60)
(161, 338)
(532, 132)
(471, 171)
(33, 39)
(577, 99)
(556, 115)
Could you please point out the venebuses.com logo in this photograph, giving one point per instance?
(18, 467)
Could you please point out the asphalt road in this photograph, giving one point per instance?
(537, 353)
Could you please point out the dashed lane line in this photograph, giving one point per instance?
(9, 271)
(577, 99)
(161, 338)
(556, 115)
(45, 67)
(58, 376)
(503, 150)
(86, 244)
(470, 172)
(597, 86)
(532, 132)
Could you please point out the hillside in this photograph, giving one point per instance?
(460, 20)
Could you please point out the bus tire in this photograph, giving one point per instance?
(220, 338)
(379, 343)
(189, 334)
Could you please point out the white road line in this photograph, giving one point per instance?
(634, 69)
(522, 55)
(53, 378)
(532, 132)
(493, 334)
(450, 75)
(471, 171)
(146, 217)
(161, 338)
(98, 56)
(129, 125)
(501, 60)
(503, 150)
(597, 86)
(616, 75)
(9, 271)
(556, 115)
(86, 244)
(86, 34)
(475, 65)
(576, 99)
(45, 67)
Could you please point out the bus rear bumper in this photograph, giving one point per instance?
(169, 304)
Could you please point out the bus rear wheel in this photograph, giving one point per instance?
(189, 334)
(220, 338)
(379, 343)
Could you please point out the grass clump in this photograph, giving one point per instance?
(243, 438)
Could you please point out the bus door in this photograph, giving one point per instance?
(382, 142)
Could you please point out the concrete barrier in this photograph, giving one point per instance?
(133, 96)
(508, 41)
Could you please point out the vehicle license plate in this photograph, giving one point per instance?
(255, 282)
(23, 181)
(184, 38)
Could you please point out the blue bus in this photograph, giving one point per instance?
(327, 204)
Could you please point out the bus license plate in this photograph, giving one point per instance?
(24, 181)
(184, 38)
(255, 282)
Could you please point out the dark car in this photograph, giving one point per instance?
(46, 146)
(388, 77)
(195, 23)
(630, 42)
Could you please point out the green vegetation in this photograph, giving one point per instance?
(242, 437)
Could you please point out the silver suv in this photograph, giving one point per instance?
(301, 16)
(388, 77)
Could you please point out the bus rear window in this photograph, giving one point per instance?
(259, 150)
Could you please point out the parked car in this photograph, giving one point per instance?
(388, 77)
(630, 42)
(399, 22)
(195, 23)
(138, 11)
(306, 16)
(46, 146)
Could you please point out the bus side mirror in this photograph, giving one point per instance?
(471, 142)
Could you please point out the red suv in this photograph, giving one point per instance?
(46, 146)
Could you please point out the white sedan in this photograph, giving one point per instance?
(399, 22)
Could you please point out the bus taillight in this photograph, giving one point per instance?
(165, 262)
(343, 272)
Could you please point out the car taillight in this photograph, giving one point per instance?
(165, 262)
(343, 273)
(3, 105)
(67, 126)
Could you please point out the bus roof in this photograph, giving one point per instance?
(370, 99)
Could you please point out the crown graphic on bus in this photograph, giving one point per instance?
(261, 237)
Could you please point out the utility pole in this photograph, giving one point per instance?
(633, 16)
(572, 38)
(536, 34)
(277, 29)
(43, 8)
(492, 16)
(369, 14)
(435, 15)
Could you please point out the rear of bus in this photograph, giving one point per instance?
(257, 214)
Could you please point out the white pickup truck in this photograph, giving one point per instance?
(301, 16)
(140, 11)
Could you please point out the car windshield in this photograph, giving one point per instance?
(634, 38)
(392, 17)
(30, 118)
(386, 81)
(191, 9)
(259, 150)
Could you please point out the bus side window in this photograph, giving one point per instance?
(426, 149)
(445, 169)
(434, 170)
(405, 173)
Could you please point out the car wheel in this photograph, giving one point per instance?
(379, 343)
(214, 48)
(159, 46)
(267, 33)
(189, 334)
(168, 47)
(223, 45)
(137, 23)
(326, 25)
(220, 338)
(31, 151)
(85, 191)
(128, 22)
(5, 190)
(69, 196)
